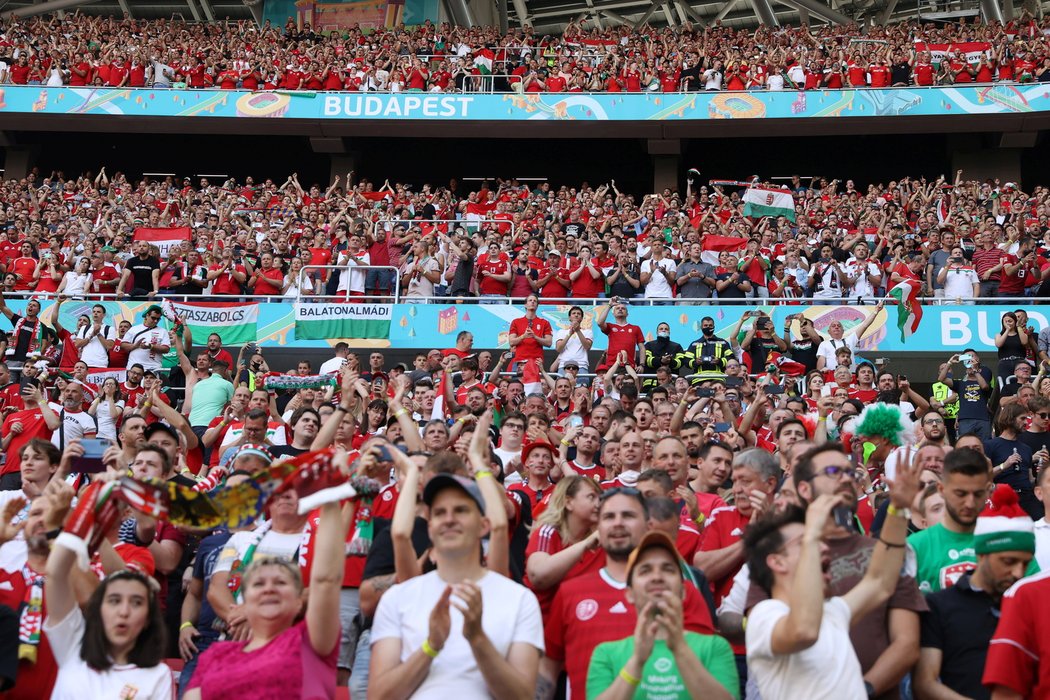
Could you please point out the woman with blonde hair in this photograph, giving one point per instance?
(564, 539)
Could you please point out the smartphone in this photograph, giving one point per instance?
(843, 517)
(734, 382)
(575, 420)
(705, 393)
(25, 382)
(721, 427)
(91, 461)
(251, 348)
(384, 453)
(773, 389)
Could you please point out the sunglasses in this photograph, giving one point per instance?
(1042, 415)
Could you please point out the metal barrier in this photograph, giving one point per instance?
(395, 298)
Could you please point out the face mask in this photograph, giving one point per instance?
(663, 336)
(709, 331)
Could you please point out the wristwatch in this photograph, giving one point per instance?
(869, 689)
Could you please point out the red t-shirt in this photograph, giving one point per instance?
(35, 680)
(547, 539)
(586, 286)
(1019, 654)
(354, 566)
(501, 266)
(530, 348)
(723, 528)
(591, 609)
(623, 337)
(270, 282)
(538, 499)
(33, 426)
(224, 283)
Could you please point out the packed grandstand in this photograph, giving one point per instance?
(642, 443)
(81, 51)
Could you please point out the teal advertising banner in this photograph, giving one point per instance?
(695, 106)
(944, 329)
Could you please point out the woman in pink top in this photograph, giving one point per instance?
(284, 660)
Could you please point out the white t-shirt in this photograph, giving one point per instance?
(333, 365)
(828, 347)
(144, 356)
(658, 287)
(958, 283)
(107, 427)
(74, 424)
(94, 353)
(510, 614)
(828, 669)
(574, 350)
(861, 270)
(76, 680)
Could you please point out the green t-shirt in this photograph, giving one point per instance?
(209, 397)
(937, 557)
(660, 677)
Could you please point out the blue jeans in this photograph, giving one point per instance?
(359, 673)
(187, 670)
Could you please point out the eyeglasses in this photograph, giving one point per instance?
(935, 421)
(1042, 415)
(835, 471)
(514, 426)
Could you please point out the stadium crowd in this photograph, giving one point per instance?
(105, 236)
(696, 521)
(84, 51)
(710, 517)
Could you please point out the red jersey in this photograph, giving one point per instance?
(591, 609)
(224, 283)
(624, 337)
(35, 679)
(538, 499)
(594, 471)
(688, 542)
(923, 73)
(33, 426)
(1019, 653)
(269, 281)
(355, 564)
(384, 504)
(530, 348)
(723, 528)
(547, 539)
(500, 266)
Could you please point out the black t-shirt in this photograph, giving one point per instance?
(973, 401)
(733, 291)
(805, 353)
(960, 623)
(1036, 441)
(900, 73)
(142, 272)
(621, 287)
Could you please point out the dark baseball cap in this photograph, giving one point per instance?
(440, 482)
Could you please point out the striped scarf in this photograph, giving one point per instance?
(31, 615)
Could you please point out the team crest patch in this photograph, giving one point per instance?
(388, 496)
(586, 609)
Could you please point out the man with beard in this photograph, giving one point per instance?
(593, 608)
(708, 353)
(28, 334)
(962, 619)
(798, 643)
(75, 421)
(886, 640)
(934, 430)
(942, 553)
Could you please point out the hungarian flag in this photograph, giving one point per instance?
(909, 310)
(759, 202)
(483, 61)
(530, 377)
(974, 51)
(713, 245)
(164, 238)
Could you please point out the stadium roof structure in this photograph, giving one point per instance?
(551, 16)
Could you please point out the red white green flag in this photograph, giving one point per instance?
(909, 310)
